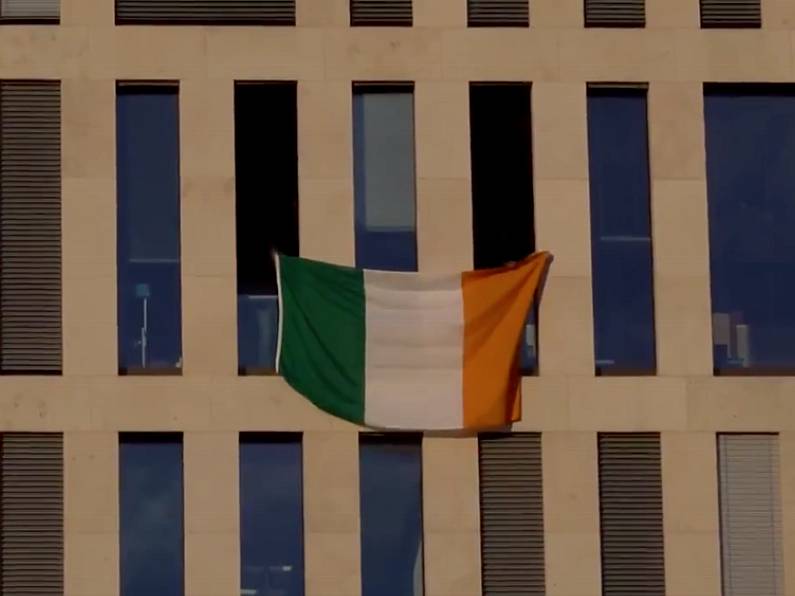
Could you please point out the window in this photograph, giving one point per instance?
(266, 184)
(29, 11)
(390, 473)
(750, 138)
(31, 514)
(149, 301)
(511, 514)
(381, 13)
(502, 186)
(731, 13)
(630, 498)
(207, 12)
(621, 250)
(30, 227)
(615, 13)
(271, 515)
(384, 181)
(750, 515)
(151, 505)
(498, 13)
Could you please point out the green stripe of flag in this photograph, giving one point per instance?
(322, 318)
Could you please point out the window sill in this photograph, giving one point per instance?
(755, 372)
(619, 371)
(133, 371)
(30, 21)
(253, 371)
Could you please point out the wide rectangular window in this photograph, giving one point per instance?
(615, 13)
(384, 179)
(266, 212)
(630, 499)
(503, 224)
(498, 13)
(206, 12)
(31, 514)
(511, 514)
(390, 476)
(381, 13)
(30, 227)
(621, 252)
(148, 229)
(750, 515)
(30, 11)
(151, 514)
(731, 14)
(271, 515)
(750, 138)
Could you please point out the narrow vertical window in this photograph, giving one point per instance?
(271, 515)
(511, 514)
(30, 227)
(750, 515)
(750, 138)
(266, 188)
(621, 252)
(384, 180)
(151, 514)
(502, 186)
(148, 227)
(630, 498)
(31, 514)
(390, 473)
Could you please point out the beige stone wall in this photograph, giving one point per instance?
(210, 404)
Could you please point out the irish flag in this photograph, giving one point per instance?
(400, 350)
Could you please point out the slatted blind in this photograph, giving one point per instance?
(630, 492)
(750, 514)
(381, 13)
(731, 13)
(214, 12)
(31, 514)
(30, 226)
(29, 10)
(498, 13)
(512, 517)
(615, 13)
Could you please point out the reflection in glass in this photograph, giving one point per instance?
(151, 519)
(621, 252)
(390, 469)
(271, 522)
(148, 228)
(384, 179)
(257, 324)
(750, 137)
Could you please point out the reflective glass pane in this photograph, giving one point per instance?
(750, 136)
(149, 302)
(258, 331)
(390, 469)
(621, 251)
(271, 514)
(384, 180)
(150, 501)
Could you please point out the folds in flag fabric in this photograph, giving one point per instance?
(401, 350)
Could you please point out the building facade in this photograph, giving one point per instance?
(658, 413)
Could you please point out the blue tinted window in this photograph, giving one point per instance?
(750, 137)
(390, 473)
(621, 251)
(147, 153)
(271, 514)
(384, 185)
(150, 499)
(266, 212)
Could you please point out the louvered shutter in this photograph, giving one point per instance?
(498, 13)
(615, 13)
(731, 13)
(381, 13)
(29, 10)
(213, 12)
(750, 513)
(30, 227)
(31, 514)
(512, 517)
(630, 491)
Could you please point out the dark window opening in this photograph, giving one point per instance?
(266, 211)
